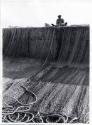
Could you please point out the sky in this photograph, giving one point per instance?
(36, 13)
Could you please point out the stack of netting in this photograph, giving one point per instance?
(15, 42)
(30, 42)
(64, 44)
(73, 45)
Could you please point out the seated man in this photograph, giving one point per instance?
(60, 21)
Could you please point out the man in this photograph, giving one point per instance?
(60, 21)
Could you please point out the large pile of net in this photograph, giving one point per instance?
(51, 93)
(64, 44)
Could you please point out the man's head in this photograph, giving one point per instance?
(59, 16)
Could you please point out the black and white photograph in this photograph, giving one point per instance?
(45, 61)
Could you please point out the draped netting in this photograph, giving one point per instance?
(64, 45)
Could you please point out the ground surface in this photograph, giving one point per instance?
(53, 90)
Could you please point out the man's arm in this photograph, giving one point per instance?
(62, 20)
